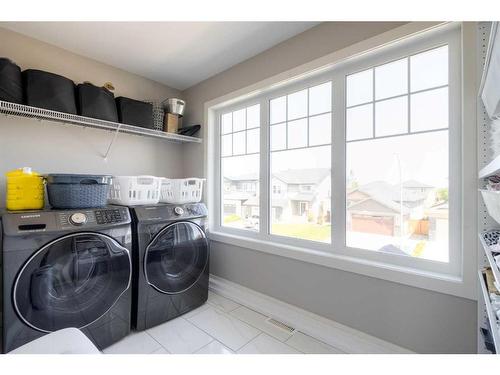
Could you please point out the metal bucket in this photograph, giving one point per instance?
(175, 106)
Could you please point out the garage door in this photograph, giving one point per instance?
(373, 224)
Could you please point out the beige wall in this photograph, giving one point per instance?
(52, 147)
(418, 319)
(316, 42)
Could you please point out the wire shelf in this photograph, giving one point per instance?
(21, 110)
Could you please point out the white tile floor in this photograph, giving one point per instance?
(221, 326)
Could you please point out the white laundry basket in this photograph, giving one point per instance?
(182, 190)
(134, 190)
(491, 199)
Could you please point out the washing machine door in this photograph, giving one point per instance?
(72, 281)
(176, 257)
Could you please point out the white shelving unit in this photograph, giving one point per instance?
(487, 167)
(491, 261)
(491, 168)
(489, 92)
(493, 325)
(25, 111)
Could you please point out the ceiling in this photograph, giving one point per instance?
(177, 54)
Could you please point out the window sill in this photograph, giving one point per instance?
(442, 283)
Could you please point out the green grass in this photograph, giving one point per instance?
(313, 232)
(231, 219)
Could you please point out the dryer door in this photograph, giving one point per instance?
(176, 257)
(72, 281)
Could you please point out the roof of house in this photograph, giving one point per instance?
(385, 191)
(290, 176)
(394, 206)
(303, 176)
(381, 192)
(415, 184)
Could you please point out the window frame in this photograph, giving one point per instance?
(265, 211)
(387, 55)
(406, 270)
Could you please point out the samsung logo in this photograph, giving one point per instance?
(30, 216)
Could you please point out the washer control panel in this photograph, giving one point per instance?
(78, 219)
(92, 217)
(111, 215)
(22, 222)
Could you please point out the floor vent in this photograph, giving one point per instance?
(281, 325)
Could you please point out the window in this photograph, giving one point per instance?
(355, 161)
(240, 138)
(397, 157)
(300, 157)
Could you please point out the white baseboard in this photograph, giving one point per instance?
(338, 335)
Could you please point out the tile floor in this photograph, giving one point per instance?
(221, 326)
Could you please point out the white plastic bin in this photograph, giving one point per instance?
(134, 190)
(183, 190)
(491, 199)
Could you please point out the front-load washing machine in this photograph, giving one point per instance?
(171, 256)
(66, 268)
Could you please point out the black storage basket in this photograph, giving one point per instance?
(49, 91)
(77, 191)
(135, 112)
(11, 82)
(96, 102)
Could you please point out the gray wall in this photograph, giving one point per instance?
(414, 318)
(52, 147)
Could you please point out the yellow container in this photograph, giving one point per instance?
(25, 190)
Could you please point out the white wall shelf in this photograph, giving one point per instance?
(20, 110)
(491, 314)
(489, 92)
(491, 261)
(491, 168)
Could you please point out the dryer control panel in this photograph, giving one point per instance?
(170, 212)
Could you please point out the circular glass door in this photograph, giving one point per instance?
(176, 258)
(72, 281)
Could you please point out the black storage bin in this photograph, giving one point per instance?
(11, 82)
(96, 102)
(49, 91)
(135, 112)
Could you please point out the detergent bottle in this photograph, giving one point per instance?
(25, 190)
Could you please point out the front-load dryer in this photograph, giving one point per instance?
(171, 262)
(66, 268)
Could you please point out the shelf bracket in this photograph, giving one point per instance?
(115, 134)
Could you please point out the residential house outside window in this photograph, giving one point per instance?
(240, 138)
(397, 156)
(300, 128)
